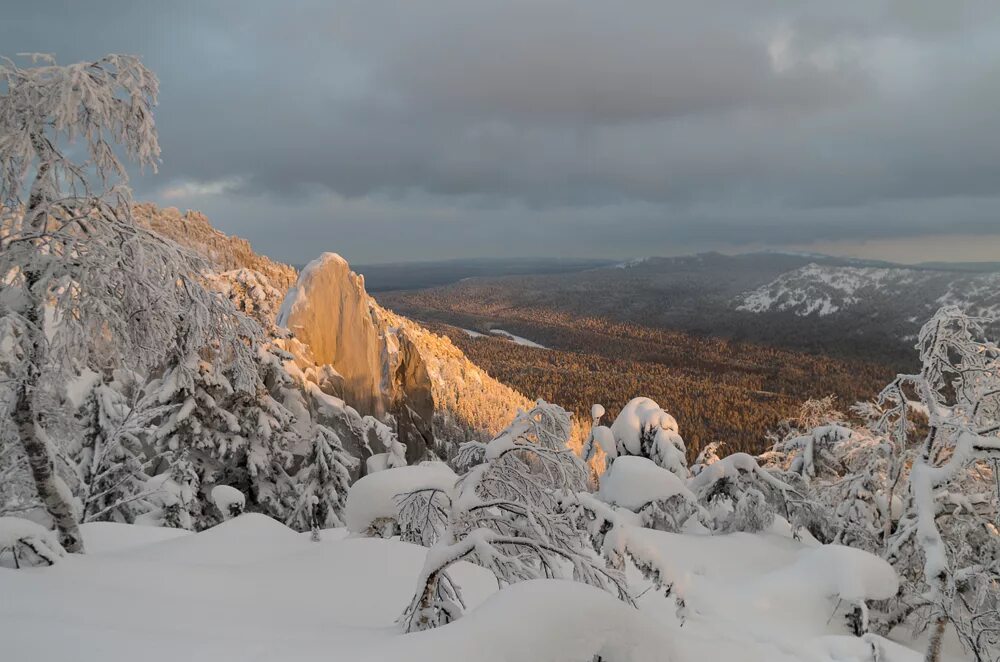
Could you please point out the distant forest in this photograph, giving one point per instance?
(718, 390)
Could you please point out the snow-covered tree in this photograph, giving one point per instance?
(320, 485)
(505, 514)
(112, 460)
(81, 280)
(918, 485)
(951, 509)
(174, 495)
(234, 433)
(740, 495)
(641, 428)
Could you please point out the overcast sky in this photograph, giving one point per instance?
(422, 130)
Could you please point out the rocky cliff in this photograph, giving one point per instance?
(382, 369)
(329, 310)
(348, 347)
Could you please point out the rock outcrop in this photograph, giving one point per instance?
(347, 347)
(382, 371)
(329, 310)
(413, 400)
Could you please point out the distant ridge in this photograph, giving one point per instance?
(418, 275)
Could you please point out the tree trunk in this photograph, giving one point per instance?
(43, 471)
(933, 653)
(35, 447)
(27, 420)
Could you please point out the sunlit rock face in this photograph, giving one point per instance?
(329, 310)
(381, 369)
(413, 401)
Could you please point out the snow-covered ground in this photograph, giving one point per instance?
(517, 339)
(821, 290)
(252, 589)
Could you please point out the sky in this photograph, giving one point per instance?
(394, 131)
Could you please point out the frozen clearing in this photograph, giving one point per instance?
(517, 339)
(251, 589)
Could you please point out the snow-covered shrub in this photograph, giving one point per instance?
(660, 499)
(738, 494)
(642, 428)
(174, 495)
(710, 453)
(389, 503)
(505, 514)
(229, 500)
(25, 543)
(752, 512)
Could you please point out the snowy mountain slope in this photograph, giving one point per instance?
(822, 290)
(251, 589)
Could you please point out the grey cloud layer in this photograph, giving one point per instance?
(621, 124)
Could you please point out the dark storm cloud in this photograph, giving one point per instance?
(394, 130)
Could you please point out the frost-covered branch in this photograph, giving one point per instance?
(505, 514)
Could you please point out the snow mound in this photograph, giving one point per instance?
(374, 495)
(29, 541)
(847, 573)
(632, 482)
(227, 498)
(316, 601)
(15, 529)
(640, 413)
(111, 537)
(249, 538)
(543, 619)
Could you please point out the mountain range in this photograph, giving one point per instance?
(818, 303)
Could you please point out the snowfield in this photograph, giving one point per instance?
(252, 589)
(517, 339)
(822, 290)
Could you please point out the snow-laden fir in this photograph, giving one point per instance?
(181, 476)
